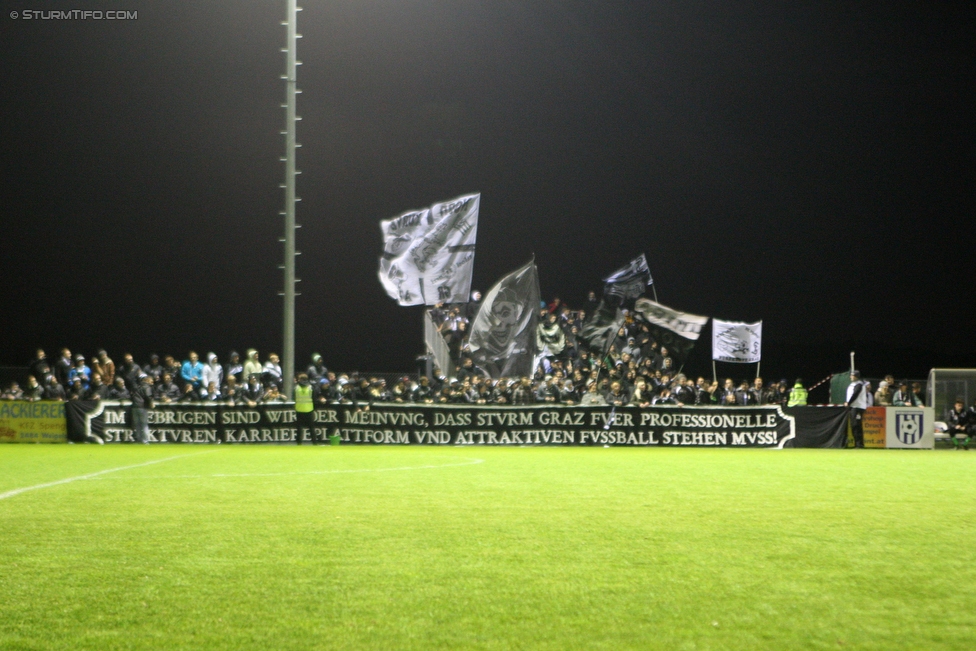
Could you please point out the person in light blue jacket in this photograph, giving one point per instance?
(192, 371)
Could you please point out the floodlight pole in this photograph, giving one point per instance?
(291, 92)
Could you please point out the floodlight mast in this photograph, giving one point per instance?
(291, 92)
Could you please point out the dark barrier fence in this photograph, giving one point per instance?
(394, 424)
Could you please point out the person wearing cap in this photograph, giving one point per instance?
(882, 397)
(904, 397)
(857, 402)
(304, 410)
(958, 420)
(80, 370)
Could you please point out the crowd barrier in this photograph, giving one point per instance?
(409, 424)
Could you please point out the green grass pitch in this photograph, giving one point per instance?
(237, 547)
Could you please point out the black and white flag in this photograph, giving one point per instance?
(674, 330)
(733, 341)
(628, 282)
(428, 255)
(502, 339)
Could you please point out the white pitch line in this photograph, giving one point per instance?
(472, 462)
(18, 491)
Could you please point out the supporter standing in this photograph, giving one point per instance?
(252, 366)
(80, 371)
(213, 373)
(272, 371)
(104, 366)
(142, 402)
(857, 402)
(192, 371)
(234, 368)
(40, 368)
(316, 370)
(154, 369)
(62, 367)
(129, 371)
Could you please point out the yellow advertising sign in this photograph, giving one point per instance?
(32, 422)
(874, 424)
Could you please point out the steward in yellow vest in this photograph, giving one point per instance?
(798, 396)
(304, 408)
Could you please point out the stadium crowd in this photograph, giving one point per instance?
(636, 370)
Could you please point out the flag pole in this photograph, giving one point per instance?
(291, 92)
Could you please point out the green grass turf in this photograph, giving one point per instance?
(533, 548)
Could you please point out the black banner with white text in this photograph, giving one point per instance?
(391, 424)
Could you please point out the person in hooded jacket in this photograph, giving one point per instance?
(213, 373)
(252, 366)
(316, 370)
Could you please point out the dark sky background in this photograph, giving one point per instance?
(810, 164)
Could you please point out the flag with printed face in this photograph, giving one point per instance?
(502, 339)
(428, 255)
(733, 341)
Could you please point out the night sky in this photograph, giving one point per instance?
(810, 164)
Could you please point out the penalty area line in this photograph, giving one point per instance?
(68, 480)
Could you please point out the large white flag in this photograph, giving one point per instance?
(428, 255)
(733, 341)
